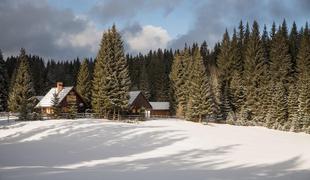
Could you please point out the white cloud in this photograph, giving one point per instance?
(150, 37)
(89, 38)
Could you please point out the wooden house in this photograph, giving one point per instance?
(160, 109)
(67, 96)
(138, 104)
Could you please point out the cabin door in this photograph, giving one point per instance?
(147, 113)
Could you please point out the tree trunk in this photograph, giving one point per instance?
(113, 114)
(118, 115)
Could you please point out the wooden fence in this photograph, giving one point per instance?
(37, 116)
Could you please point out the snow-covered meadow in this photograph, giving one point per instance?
(151, 150)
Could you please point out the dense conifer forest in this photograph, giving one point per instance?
(248, 78)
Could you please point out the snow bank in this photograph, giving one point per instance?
(159, 149)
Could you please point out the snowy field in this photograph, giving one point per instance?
(153, 150)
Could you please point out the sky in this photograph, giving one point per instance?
(66, 29)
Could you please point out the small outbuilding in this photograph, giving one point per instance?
(160, 109)
(67, 96)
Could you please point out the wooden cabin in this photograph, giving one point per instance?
(138, 104)
(67, 96)
(160, 109)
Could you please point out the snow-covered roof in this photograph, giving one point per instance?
(160, 105)
(133, 95)
(46, 101)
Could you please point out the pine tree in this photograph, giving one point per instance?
(303, 62)
(83, 84)
(280, 58)
(55, 106)
(237, 87)
(179, 76)
(293, 118)
(246, 37)
(224, 64)
(236, 57)
(200, 92)
(4, 84)
(254, 59)
(72, 111)
(294, 45)
(144, 82)
(273, 30)
(100, 102)
(204, 51)
(111, 81)
(21, 97)
(241, 45)
(223, 60)
(281, 70)
(236, 81)
(278, 110)
(161, 79)
(119, 67)
(266, 44)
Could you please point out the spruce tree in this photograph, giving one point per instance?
(280, 58)
(223, 60)
(303, 62)
(161, 79)
(273, 30)
(200, 101)
(236, 81)
(278, 110)
(56, 106)
(111, 81)
(294, 45)
(224, 64)
(100, 102)
(179, 76)
(21, 98)
(119, 70)
(83, 84)
(237, 87)
(72, 111)
(236, 55)
(205, 53)
(4, 84)
(281, 69)
(246, 37)
(254, 59)
(266, 44)
(293, 119)
(174, 77)
(144, 82)
(240, 44)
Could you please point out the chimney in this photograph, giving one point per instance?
(59, 87)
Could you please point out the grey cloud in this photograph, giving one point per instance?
(37, 26)
(133, 28)
(213, 17)
(112, 10)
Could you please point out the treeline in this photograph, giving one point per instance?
(264, 78)
(150, 73)
(260, 79)
(45, 73)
